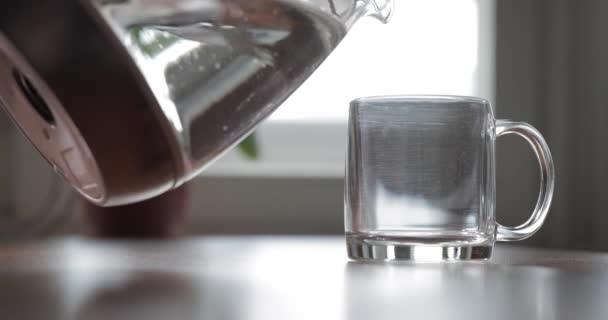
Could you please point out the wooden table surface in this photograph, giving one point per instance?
(270, 278)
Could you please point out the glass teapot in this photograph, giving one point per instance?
(127, 99)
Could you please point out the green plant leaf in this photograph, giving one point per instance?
(159, 40)
(249, 147)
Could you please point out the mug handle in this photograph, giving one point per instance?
(547, 180)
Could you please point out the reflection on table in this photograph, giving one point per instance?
(289, 278)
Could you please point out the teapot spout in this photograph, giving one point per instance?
(380, 9)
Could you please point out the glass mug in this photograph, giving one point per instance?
(420, 179)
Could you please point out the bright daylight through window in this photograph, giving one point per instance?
(429, 47)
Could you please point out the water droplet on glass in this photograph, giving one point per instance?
(224, 128)
(217, 65)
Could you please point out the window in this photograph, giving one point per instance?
(430, 47)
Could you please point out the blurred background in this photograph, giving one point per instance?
(543, 62)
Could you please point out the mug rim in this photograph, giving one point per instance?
(419, 98)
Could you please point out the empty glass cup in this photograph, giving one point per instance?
(420, 179)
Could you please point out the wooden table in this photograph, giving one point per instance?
(283, 278)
